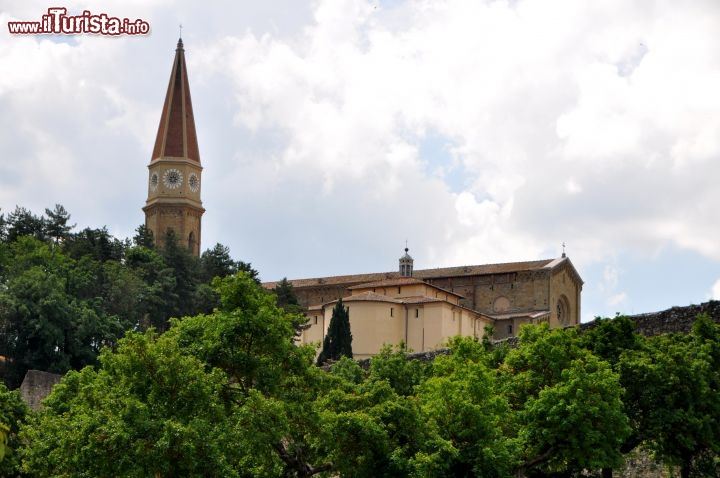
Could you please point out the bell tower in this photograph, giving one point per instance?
(406, 264)
(173, 201)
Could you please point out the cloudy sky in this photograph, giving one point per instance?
(332, 131)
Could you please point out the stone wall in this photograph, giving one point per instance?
(675, 319)
(36, 386)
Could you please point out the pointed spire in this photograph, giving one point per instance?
(176, 137)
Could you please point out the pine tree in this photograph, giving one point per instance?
(338, 341)
(56, 225)
(144, 237)
(285, 294)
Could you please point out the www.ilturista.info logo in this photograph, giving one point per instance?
(57, 22)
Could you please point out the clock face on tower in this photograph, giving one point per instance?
(194, 182)
(154, 181)
(172, 178)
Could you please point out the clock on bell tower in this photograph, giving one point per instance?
(173, 202)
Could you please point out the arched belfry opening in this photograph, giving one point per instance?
(191, 241)
(406, 265)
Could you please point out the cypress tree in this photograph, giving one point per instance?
(338, 341)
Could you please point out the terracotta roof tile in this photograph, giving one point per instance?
(482, 269)
(521, 315)
(176, 135)
(370, 296)
(356, 279)
(420, 299)
(389, 283)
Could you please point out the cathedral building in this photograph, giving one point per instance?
(424, 308)
(173, 201)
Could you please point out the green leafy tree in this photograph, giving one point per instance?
(566, 402)
(124, 294)
(13, 412)
(52, 313)
(460, 398)
(157, 293)
(348, 370)
(338, 341)
(393, 366)
(673, 396)
(248, 337)
(225, 394)
(184, 268)
(578, 423)
(367, 429)
(609, 338)
(96, 243)
(150, 410)
(215, 262)
(270, 380)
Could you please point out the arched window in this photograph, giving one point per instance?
(562, 309)
(191, 241)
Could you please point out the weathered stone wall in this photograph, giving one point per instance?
(675, 319)
(639, 464)
(36, 386)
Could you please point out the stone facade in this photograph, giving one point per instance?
(36, 386)
(391, 311)
(509, 294)
(183, 219)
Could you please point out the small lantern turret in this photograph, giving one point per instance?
(406, 265)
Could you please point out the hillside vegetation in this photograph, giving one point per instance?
(223, 390)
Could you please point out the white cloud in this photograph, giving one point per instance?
(589, 123)
(610, 278)
(617, 299)
(715, 291)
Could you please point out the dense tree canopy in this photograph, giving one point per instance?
(223, 394)
(673, 397)
(230, 394)
(568, 403)
(222, 389)
(12, 413)
(65, 295)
